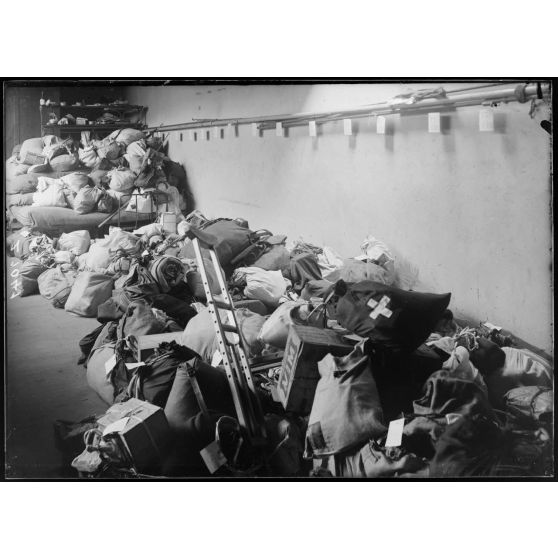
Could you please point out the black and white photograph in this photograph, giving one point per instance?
(318, 279)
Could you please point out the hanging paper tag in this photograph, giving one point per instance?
(381, 125)
(279, 129)
(434, 122)
(395, 433)
(312, 128)
(25, 233)
(347, 127)
(213, 456)
(216, 359)
(255, 130)
(110, 364)
(486, 120)
(452, 417)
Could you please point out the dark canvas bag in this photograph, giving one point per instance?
(139, 284)
(396, 319)
(153, 381)
(138, 319)
(228, 237)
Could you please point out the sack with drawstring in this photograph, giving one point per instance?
(64, 163)
(55, 285)
(29, 272)
(50, 193)
(90, 289)
(346, 411)
(138, 319)
(121, 180)
(85, 201)
(77, 242)
(31, 152)
(127, 136)
(267, 286)
(88, 156)
(108, 149)
(106, 203)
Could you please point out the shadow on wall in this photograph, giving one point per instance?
(187, 193)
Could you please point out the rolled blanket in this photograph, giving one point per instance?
(168, 271)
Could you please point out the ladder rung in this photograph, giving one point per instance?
(229, 328)
(221, 304)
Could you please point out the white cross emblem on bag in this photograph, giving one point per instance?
(380, 308)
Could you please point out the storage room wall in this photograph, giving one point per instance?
(468, 211)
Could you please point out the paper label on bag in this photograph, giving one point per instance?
(216, 359)
(275, 394)
(213, 456)
(347, 127)
(132, 365)
(110, 364)
(395, 433)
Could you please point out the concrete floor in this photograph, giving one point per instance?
(43, 383)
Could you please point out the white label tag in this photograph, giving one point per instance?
(434, 122)
(347, 127)
(279, 129)
(486, 120)
(213, 456)
(110, 364)
(452, 417)
(381, 125)
(275, 394)
(395, 433)
(255, 130)
(312, 128)
(216, 359)
(25, 233)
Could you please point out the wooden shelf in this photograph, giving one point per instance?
(80, 128)
(103, 107)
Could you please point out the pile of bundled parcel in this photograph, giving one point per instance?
(121, 170)
(357, 377)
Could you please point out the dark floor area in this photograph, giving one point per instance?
(43, 383)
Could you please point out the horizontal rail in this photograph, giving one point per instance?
(519, 92)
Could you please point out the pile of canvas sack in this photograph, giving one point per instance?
(96, 175)
(357, 376)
